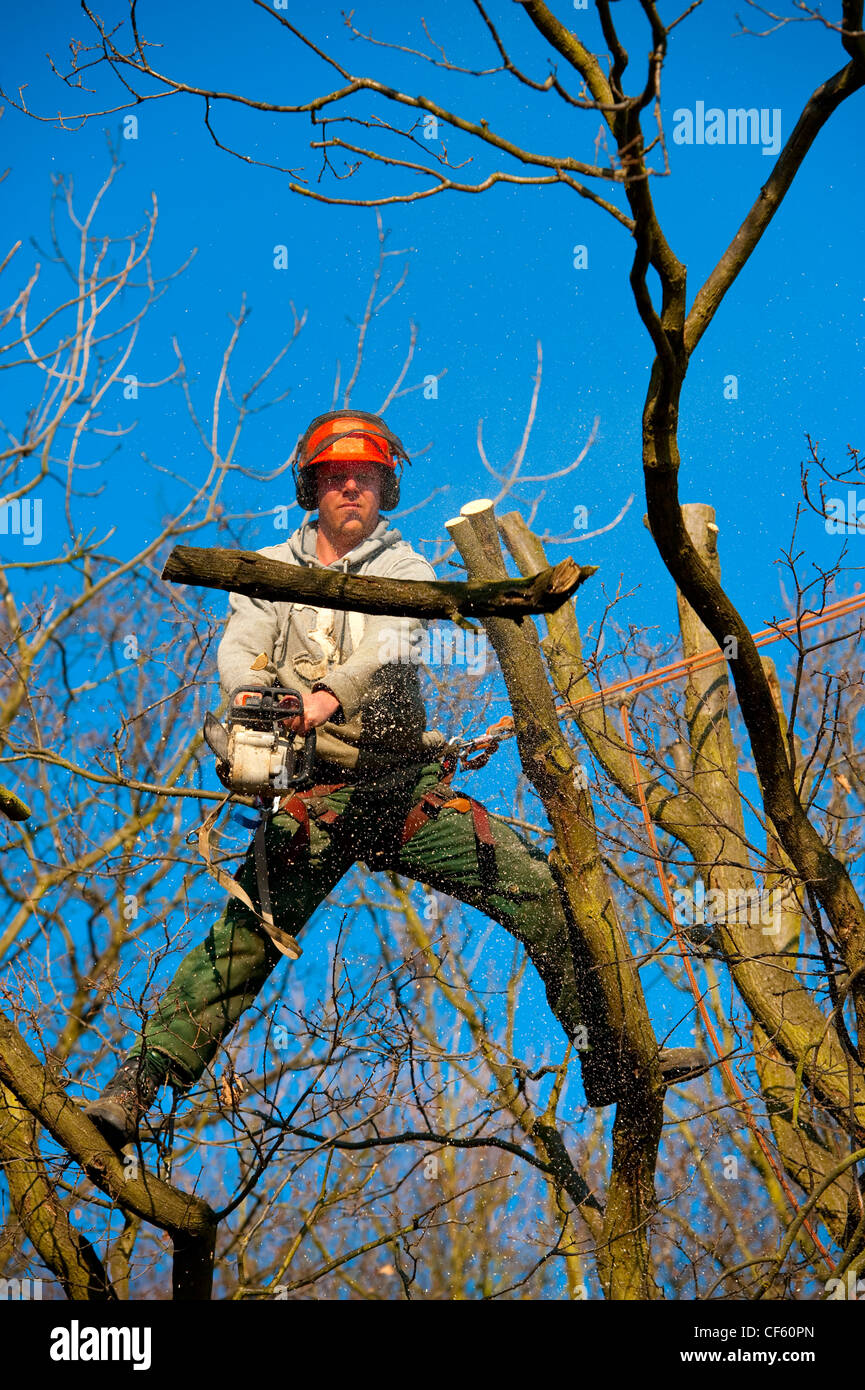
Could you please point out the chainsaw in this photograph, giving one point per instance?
(257, 752)
(260, 755)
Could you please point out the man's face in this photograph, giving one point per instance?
(349, 496)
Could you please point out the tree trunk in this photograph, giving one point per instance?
(37, 1205)
(188, 1220)
(623, 1059)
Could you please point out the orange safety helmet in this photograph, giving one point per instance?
(348, 436)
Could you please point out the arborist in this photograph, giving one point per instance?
(381, 788)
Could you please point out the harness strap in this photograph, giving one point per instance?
(481, 821)
(434, 801)
(429, 805)
(485, 844)
(283, 940)
(295, 806)
(300, 806)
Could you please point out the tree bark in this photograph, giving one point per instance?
(188, 1220)
(258, 576)
(762, 969)
(705, 816)
(623, 1059)
(37, 1205)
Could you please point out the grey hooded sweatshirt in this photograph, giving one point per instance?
(356, 656)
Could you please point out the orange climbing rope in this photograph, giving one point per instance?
(713, 655)
(489, 740)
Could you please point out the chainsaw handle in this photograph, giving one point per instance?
(272, 707)
(270, 702)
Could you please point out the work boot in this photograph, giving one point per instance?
(682, 1063)
(129, 1095)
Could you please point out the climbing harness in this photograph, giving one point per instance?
(442, 797)
(258, 755)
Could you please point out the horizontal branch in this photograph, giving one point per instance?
(12, 806)
(257, 576)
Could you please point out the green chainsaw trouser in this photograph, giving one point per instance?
(221, 977)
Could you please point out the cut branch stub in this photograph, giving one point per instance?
(259, 576)
(12, 806)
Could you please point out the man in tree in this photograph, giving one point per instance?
(382, 791)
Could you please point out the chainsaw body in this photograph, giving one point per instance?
(257, 751)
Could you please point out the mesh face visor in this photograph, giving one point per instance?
(346, 455)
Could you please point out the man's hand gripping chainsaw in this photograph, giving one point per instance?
(257, 753)
(256, 750)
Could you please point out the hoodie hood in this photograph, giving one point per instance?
(302, 545)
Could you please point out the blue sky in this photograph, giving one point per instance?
(489, 275)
